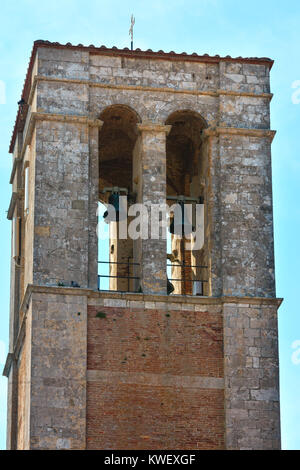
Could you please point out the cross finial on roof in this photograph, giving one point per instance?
(131, 30)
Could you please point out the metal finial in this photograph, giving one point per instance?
(131, 30)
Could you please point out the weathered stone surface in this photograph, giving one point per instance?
(252, 383)
(58, 373)
(61, 203)
(150, 168)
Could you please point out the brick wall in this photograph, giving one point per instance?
(155, 378)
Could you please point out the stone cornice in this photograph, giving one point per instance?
(13, 356)
(134, 299)
(13, 171)
(39, 116)
(77, 118)
(132, 296)
(70, 118)
(266, 96)
(216, 131)
(14, 197)
(8, 363)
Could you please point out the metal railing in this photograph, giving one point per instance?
(128, 277)
(195, 283)
(186, 280)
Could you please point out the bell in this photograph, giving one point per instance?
(184, 227)
(170, 287)
(114, 215)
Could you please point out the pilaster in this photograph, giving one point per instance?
(251, 373)
(241, 215)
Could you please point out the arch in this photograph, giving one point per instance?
(183, 149)
(189, 104)
(121, 108)
(185, 169)
(186, 114)
(117, 139)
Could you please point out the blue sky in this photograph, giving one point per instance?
(257, 28)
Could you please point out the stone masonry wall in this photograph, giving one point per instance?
(246, 216)
(61, 203)
(24, 386)
(58, 371)
(251, 376)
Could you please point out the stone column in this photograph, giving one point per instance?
(150, 183)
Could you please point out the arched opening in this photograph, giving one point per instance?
(117, 139)
(186, 170)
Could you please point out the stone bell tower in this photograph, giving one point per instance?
(126, 366)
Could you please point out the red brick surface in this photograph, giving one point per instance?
(131, 415)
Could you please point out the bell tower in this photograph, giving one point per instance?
(162, 342)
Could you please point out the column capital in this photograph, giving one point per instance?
(95, 122)
(153, 127)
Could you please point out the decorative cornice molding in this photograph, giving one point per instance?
(8, 363)
(14, 356)
(14, 197)
(69, 118)
(130, 297)
(90, 293)
(77, 118)
(216, 131)
(13, 171)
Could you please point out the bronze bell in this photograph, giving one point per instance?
(170, 287)
(181, 228)
(113, 200)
